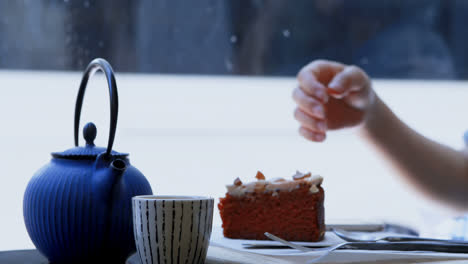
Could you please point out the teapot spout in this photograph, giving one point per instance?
(118, 167)
(107, 175)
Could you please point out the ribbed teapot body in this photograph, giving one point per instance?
(69, 223)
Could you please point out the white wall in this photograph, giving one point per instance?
(193, 135)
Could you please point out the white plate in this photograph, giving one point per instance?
(217, 237)
(341, 256)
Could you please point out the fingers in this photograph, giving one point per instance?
(311, 112)
(351, 79)
(310, 86)
(308, 104)
(310, 135)
(314, 77)
(322, 71)
(313, 124)
(349, 87)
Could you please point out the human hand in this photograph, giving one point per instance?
(331, 96)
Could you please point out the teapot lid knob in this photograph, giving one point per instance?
(89, 133)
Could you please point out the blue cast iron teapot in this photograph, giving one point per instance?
(77, 208)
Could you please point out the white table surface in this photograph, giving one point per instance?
(193, 135)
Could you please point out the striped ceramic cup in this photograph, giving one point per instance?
(172, 229)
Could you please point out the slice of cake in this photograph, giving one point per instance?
(291, 209)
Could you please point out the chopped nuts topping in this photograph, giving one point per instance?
(300, 176)
(260, 176)
(237, 182)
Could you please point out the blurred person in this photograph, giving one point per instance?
(332, 95)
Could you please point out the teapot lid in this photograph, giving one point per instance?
(90, 151)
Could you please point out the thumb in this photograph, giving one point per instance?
(351, 79)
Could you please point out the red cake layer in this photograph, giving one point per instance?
(295, 215)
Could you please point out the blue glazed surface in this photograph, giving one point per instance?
(72, 218)
(77, 208)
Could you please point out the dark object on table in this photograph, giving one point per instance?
(422, 246)
(408, 246)
(77, 208)
(34, 257)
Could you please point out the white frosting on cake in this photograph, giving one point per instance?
(275, 185)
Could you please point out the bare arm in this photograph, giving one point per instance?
(332, 96)
(436, 169)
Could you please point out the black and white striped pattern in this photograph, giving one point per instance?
(172, 229)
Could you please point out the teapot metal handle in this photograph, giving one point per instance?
(99, 65)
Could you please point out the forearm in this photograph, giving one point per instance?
(437, 169)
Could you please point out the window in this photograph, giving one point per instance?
(422, 39)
